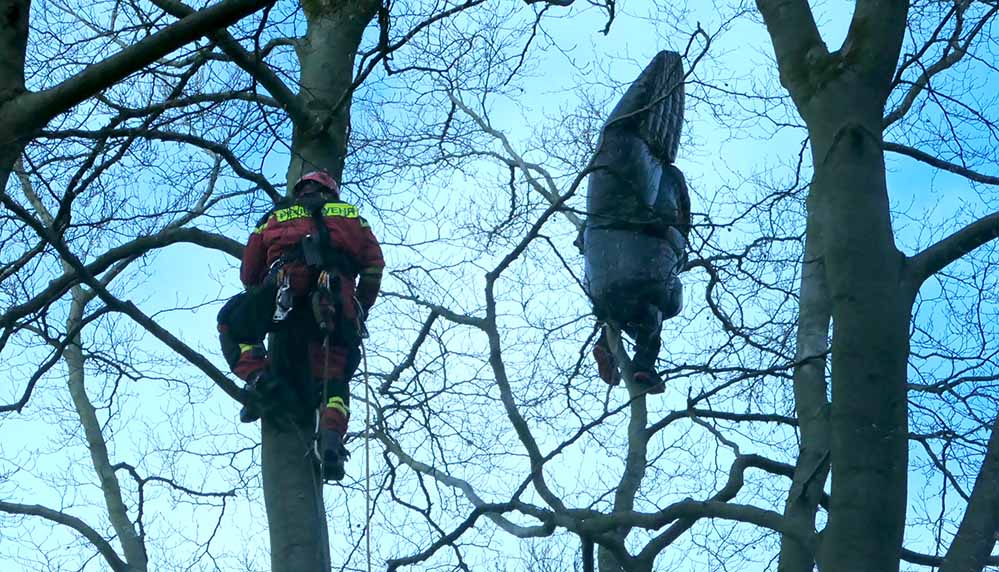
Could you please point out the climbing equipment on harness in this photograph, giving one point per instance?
(324, 306)
(283, 301)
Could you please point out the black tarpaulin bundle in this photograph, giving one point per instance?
(637, 204)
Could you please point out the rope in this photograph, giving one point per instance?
(322, 405)
(367, 434)
(367, 451)
(318, 483)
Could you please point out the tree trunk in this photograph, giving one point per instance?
(870, 345)
(326, 56)
(812, 467)
(296, 514)
(293, 495)
(636, 457)
(606, 561)
(841, 96)
(977, 534)
(13, 43)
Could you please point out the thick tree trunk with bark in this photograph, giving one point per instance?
(870, 348)
(293, 495)
(13, 42)
(296, 514)
(326, 56)
(841, 97)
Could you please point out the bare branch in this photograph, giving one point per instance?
(62, 284)
(736, 479)
(914, 557)
(874, 39)
(289, 101)
(955, 51)
(936, 257)
(449, 538)
(797, 43)
(125, 307)
(103, 546)
(33, 110)
(158, 135)
(940, 163)
(976, 536)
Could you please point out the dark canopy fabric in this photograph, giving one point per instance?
(637, 204)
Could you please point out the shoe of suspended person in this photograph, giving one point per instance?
(649, 382)
(606, 364)
(334, 455)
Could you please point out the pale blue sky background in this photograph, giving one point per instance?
(713, 157)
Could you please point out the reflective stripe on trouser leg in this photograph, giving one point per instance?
(336, 410)
(337, 404)
(244, 360)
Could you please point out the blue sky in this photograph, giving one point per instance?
(720, 161)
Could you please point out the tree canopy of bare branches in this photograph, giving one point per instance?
(831, 396)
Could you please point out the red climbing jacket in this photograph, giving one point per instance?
(280, 233)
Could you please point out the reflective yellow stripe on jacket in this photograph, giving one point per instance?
(329, 209)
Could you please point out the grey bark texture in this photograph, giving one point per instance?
(326, 57)
(293, 496)
(811, 406)
(292, 488)
(871, 288)
(841, 97)
(13, 43)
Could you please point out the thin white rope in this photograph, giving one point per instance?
(367, 452)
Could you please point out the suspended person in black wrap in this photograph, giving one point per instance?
(635, 237)
(300, 267)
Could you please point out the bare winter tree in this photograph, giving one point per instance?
(494, 446)
(856, 275)
(26, 109)
(853, 277)
(76, 224)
